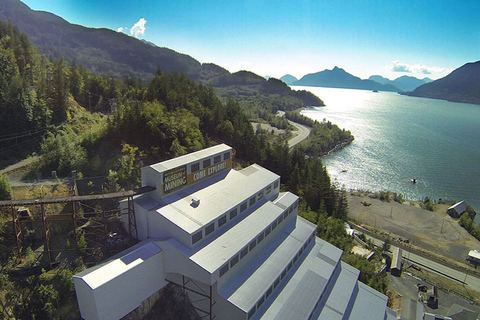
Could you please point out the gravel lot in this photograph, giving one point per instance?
(433, 231)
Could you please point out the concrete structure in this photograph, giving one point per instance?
(457, 209)
(397, 262)
(233, 242)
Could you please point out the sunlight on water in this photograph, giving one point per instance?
(398, 138)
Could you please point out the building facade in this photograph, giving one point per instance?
(233, 242)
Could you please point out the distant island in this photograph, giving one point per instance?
(462, 85)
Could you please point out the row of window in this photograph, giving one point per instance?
(259, 238)
(233, 213)
(282, 276)
(194, 167)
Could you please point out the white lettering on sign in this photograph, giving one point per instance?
(199, 175)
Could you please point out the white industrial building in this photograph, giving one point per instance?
(233, 242)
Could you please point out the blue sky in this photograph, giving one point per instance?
(388, 38)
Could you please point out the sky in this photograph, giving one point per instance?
(274, 38)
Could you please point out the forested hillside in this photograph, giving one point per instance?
(104, 51)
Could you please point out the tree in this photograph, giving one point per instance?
(5, 189)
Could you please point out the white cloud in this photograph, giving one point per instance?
(418, 68)
(138, 28)
(120, 29)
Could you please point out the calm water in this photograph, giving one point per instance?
(398, 138)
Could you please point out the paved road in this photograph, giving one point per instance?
(300, 135)
(472, 281)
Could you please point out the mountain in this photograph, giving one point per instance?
(288, 79)
(462, 85)
(119, 55)
(339, 78)
(404, 83)
(97, 50)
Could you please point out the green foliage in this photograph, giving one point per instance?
(128, 168)
(324, 137)
(427, 204)
(5, 189)
(466, 221)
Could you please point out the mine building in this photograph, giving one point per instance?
(233, 242)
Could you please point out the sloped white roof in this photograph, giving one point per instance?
(105, 272)
(220, 196)
(189, 158)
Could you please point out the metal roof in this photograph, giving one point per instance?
(189, 158)
(369, 304)
(216, 199)
(341, 294)
(220, 250)
(105, 272)
(292, 290)
(254, 279)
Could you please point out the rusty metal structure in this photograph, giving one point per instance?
(90, 215)
(201, 298)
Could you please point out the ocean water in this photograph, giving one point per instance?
(399, 138)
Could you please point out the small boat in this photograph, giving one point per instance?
(376, 91)
(414, 181)
(344, 170)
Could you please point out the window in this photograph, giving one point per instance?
(244, 252)
(243, 206)
(252, 312)
(226, 155)
(210, 228)
(252, 244)
(285, 214)
(277, 282)
(260, 195)
(222, 220)
(290, 210)
(280, 219)
(290, 265)
(269, 292)
(197, 237)
(252, 201)
(269, 189)
(296, 203)
(267, 231)
(234, 261)
(275, 185)
(295, 258)
(207, 163)
(260, 238)
(274, 224)
(217, 159)
(233, 213)
(224, 270)
(195, 167)
(284, 273)
(260, 302)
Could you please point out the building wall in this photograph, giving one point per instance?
(124, 293)
(86, 300)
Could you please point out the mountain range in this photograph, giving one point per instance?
(339, 78)
(462, 85)
(104, 51)
(404, 83)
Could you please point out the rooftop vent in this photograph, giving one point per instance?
(195, 202)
